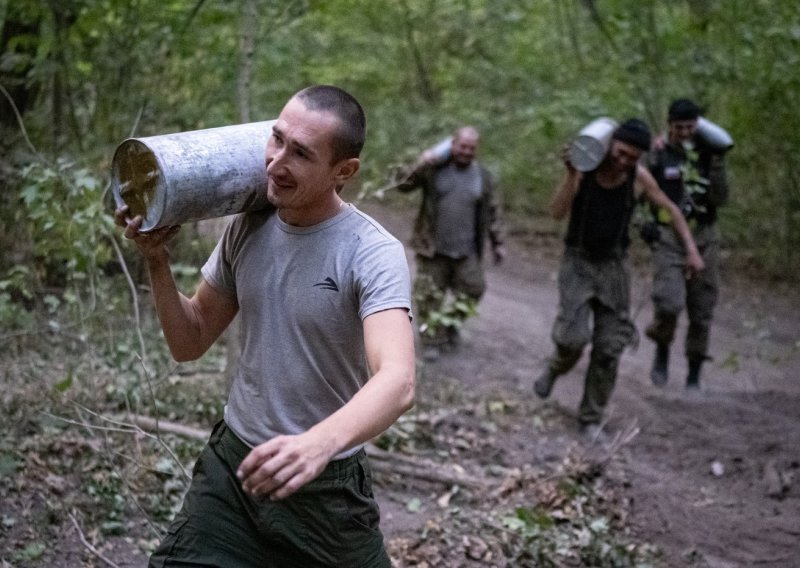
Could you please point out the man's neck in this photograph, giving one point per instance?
(609, 177)
(310, 217)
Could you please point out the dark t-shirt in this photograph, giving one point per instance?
(458, 193)
(598, 221)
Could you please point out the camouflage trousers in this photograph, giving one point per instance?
(672, 292)
(462, 277)
(594, 301)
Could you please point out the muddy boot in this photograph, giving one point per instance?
(659, 373)
(544, 384)
(693, 378)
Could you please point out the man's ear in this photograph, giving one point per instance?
(346, 169)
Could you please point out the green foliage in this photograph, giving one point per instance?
(106, 491)
(31, 552)
(451, 315)
(8, 464)
(13, 288)
(85, 74)
(559, 537)
(442, 311)
(65, 218)
(527, 74)
(60, 245)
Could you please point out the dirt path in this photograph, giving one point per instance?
(713, 477)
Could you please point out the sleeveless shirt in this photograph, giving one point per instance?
(598, 221)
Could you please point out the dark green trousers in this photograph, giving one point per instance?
(331, 521)
(594, 298)
(672, 293)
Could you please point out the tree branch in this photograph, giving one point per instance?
(88, 545)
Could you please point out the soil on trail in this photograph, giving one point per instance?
(713, 477)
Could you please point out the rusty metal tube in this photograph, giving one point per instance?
(177, 178)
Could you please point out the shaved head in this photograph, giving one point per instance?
(467, 132)
(464, 146)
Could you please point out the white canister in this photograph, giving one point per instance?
(713, 135)
(177, 178)
(591, 144)
(440, 152)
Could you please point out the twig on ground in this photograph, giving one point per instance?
(88, 545)
(149, 423)
(420, 468)
(134, 296)
(437, 475)
(122, 427)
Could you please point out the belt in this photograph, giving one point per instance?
(336, 469)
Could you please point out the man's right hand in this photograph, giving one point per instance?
(694, 264)
(426, 159)
(282, 465)
(151, 244)
(659, 142)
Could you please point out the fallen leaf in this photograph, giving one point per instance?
(414, 505)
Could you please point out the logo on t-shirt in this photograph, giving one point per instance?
(327, 284)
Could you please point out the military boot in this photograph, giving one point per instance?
(693, 378)
(659, 374)
(544, 384)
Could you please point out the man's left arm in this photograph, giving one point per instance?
(496, 228)
(718, 181)
(282, 465)
(648, 186)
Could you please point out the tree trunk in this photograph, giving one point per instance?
(247, 32)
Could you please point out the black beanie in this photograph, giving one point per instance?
(683, 109)
(634, 132)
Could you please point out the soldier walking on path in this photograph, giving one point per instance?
(327, 356)
(459, 210)
(691, 172)
(594, 279)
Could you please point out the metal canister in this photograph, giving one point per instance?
(591, 144)
(713, 135)
(177, 178)
(440, 152)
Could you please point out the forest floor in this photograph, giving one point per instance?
(483, 473)
(713, 477)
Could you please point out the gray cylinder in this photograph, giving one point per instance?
(713, 135)
(441, 151)
(177, 178)
(591, 144)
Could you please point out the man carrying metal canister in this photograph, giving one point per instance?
(327, 356)
(594, 279)
(690, 168)
(459, 210)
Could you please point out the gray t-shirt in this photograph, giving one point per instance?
(303, 293)
(458, 191)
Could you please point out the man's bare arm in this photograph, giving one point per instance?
(280, 466)
(191, 325)
(646, 184)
